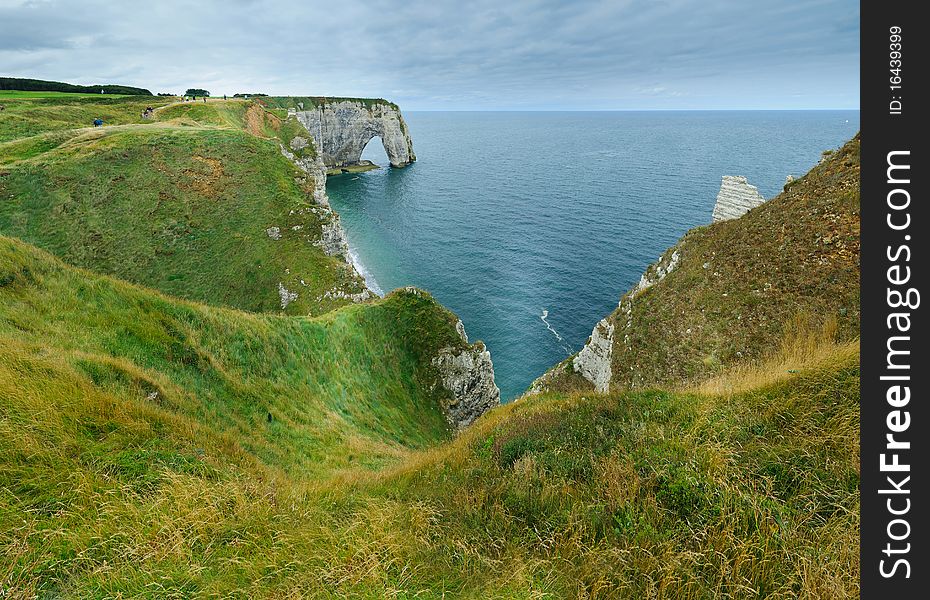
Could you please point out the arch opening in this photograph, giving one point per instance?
(375, 152)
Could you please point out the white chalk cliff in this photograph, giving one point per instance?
(735, 198)
(593, 361)
(343, 128)
(468, 375)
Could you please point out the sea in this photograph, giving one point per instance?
(531, 225)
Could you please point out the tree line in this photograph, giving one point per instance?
(40, 85)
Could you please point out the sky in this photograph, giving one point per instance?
(454, 55)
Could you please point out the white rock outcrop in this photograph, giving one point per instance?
(286, 295)
(342, 129)
(333, 238)
(593, 361)
(735, 198)
(656, 272)
(468, 375)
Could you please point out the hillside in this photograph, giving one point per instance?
(727, 293)
(363, 370)
(198, 202)
(151, 445)
(25, 117)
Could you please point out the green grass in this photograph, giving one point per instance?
(311, 102)
(182, 205)
(230, 113)
(15, 94)
(653, 494)
(24, 117)
(229, 369)
(136, 458)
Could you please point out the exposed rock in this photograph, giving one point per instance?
(354, 297)
(342, 129)
(467, 373)
(460, 329)
(656, 272)
(333, 238)
(736, 198)
(274, 233)
(315, 168)
(593, 361)
(286, 296)
(339, 131)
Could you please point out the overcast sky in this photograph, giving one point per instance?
(454, 55)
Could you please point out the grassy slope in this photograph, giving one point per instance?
(23, 117)
(650, 494)
(362, 364)
(113, 397)
(137, 458)
(181, 205)
(740, 284)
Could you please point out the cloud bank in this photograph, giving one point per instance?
(445, 55)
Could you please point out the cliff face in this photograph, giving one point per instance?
(343, 128)
(468, 375)
(593, 361)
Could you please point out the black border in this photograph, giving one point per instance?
(883, 132)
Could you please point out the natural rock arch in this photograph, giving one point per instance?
(374, 142)
(342, 129)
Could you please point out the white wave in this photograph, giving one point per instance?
(544, 318)
(370, 281)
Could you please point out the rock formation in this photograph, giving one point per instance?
(735, 198)
(343, 128)
(593, 361)
(468, 375)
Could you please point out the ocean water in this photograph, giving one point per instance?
(530, 226)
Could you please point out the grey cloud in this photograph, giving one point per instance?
(443, 54)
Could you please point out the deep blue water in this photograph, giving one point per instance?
(506, 215)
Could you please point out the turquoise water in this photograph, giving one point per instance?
(510, 217)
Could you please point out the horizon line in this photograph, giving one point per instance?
(628, 109)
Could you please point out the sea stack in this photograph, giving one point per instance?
(735, 198)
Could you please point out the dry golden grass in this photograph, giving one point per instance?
(805, 342)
